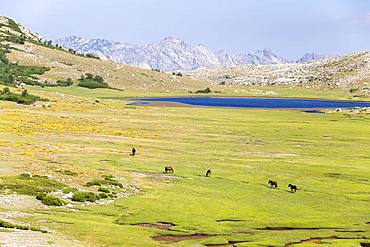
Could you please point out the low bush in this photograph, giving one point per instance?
(207, 90)
(64, 83)
(69, 190)
(50, 200)
(30, 186)
(91, 82)
(108, 180)
(103, 196)
(105, 190)
(84, 196)
(89, 55)
(23, 98)
(5, 224)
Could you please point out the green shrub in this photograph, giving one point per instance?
(96, 182)
(89, 81)
(84, 196)
(115, 183)
(92, 84)
(105, 190)
(92, 56)
(49, 199)
(64, 83)
(207, 90)
(103, 196)
(79, 197)
(24, 98)
(108, 180)
(69, 190)
(30, 186)
(112, 196)
(13, 25)
(12, 73)
(5, 224)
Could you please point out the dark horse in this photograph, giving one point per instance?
(293, 188)
(208, 173)
(168, 169)
(273, 184)
(133, 152)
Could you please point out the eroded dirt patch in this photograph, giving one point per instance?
(319, 240)
(159, 225)
(333, 175)
(365, 244)
(230, 220)
(311, 240)
(171, 238)
(228, 244)
(284, 228)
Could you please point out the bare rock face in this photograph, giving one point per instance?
(170, 54)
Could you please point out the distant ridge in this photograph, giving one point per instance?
(171, 54)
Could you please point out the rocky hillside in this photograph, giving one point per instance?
(26, 58)
(10, 28)
(171, 54)
(351, 72)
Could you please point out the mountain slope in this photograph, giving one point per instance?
(350, 72)
(39, 63)
(9, 27)
(169, 54)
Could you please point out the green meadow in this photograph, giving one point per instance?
(326, 155)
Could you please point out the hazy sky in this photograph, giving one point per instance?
(289, 27)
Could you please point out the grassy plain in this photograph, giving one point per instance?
(326, 155)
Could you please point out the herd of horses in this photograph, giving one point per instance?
(273, 184)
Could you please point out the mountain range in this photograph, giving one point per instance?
(171, 54)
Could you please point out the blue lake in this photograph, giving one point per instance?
(293, 103)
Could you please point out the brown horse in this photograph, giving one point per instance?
(169, 169)
(208, 173)
(273, 184)
(293, 188)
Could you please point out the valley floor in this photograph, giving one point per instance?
(326, 155)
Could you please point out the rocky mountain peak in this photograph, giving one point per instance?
(171, 39)
(312, 56)
(169, 54)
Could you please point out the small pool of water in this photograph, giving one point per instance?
(258, 102)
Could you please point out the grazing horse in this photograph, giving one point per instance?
(168, 169)
(273, 184)
(133, 152)
(293, 188)
(208, 173)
